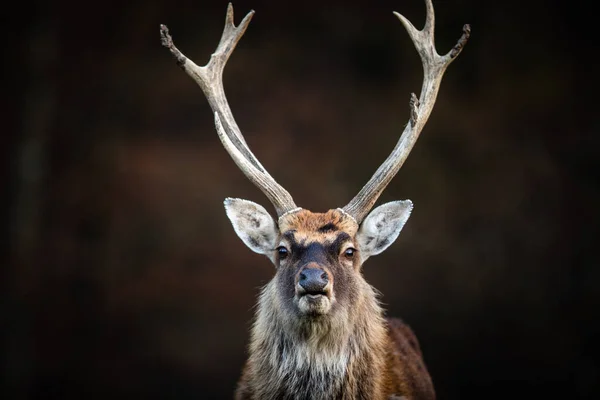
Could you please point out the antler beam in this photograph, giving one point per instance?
(434, 67)
(210, 79)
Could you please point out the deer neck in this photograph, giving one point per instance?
(338, 356)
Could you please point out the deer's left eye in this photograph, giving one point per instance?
(349, 252)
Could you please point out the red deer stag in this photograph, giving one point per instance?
(319, 331)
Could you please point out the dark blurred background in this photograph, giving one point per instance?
(123, 275)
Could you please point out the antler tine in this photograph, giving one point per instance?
(434, 67)
(210, 80)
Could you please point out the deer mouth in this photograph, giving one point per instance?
(312, 294)
(314, 302)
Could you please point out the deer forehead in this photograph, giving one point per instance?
(309, 227)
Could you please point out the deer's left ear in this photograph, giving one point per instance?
(253, 224)
(381, 227)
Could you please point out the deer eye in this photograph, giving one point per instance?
(349, 252)
(283, 252)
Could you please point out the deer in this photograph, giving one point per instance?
(319, 331)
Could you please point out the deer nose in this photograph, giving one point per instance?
(313, 280)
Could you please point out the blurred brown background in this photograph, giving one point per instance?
(123, 274)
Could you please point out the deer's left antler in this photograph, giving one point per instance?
(434, 67)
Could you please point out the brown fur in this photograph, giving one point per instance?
(351, 352)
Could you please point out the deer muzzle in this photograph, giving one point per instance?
(313, 290)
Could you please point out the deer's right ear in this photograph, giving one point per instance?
(253, 224)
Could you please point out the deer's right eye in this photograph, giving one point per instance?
(283, 252)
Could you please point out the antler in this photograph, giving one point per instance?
(210, 79)
(434, 67)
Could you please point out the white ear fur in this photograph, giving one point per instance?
(253, 224)
(382, 226)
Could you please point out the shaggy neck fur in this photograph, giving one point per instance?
(338, 356)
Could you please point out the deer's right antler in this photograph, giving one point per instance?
(210, 79)
(434, 67)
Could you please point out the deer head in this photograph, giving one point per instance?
(318, 256)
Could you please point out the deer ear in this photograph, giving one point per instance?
(382, 226)
(253, 225)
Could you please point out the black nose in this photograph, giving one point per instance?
(313, 280)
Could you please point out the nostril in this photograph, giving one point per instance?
(313, 280)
